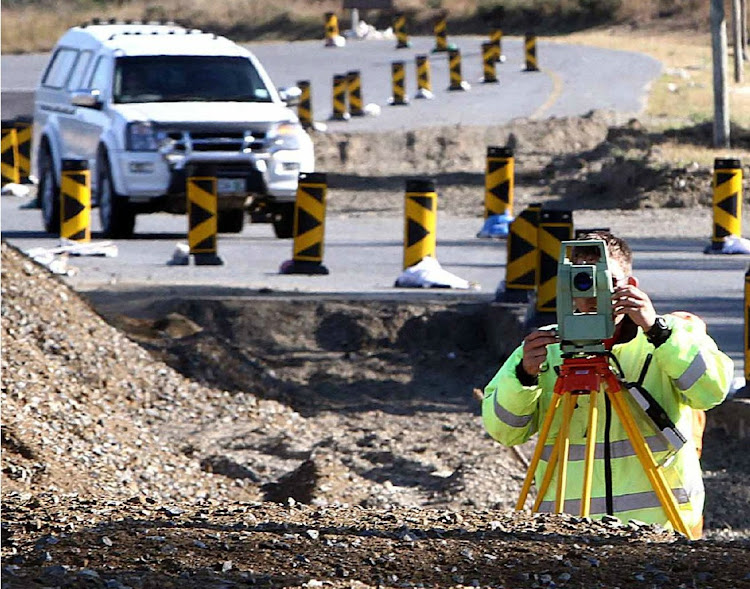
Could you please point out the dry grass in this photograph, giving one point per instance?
(683, 94)
(36, 27)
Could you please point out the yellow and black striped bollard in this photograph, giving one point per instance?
(9, 156)
(499, 182)
(488, 63)
(424, 85)
(496, 38)
(454, 60)
(202, 211)
(75, 201)
(420, 221)
(340, 112)
(441, 34)
(24, 127)
(332, 29)
(354, 87)
(554, 228)
(399, 29)
(309, 225)
(304, 108)
(530, 47)
(398, 83)
(727, 201)
(522, 256)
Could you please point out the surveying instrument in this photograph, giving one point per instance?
(586, 370)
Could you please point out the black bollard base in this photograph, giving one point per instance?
(207, 260)
(715, 247)
(302, 267)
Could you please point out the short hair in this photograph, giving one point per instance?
(617, 248)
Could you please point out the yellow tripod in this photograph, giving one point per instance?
(590, 375)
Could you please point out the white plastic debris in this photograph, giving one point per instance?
(429, 274)
(56, 258)
(180, 255)
(732, 244)
(372, 110)
(13, 189)
(57, 264)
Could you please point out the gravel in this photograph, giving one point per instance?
(161, 452)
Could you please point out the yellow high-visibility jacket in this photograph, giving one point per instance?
(686, 372)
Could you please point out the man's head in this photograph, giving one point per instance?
(618, 251)
(620, 259)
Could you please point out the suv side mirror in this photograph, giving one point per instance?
(290, 95)
(86, 98)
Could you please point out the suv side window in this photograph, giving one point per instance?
(100, 77)
(76, 78)
(59, 68)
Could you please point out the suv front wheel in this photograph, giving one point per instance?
(115, 213)
(48, 192)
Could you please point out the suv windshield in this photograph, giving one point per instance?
(177, 78)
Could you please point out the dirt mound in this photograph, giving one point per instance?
(576, 163)
(120, 471)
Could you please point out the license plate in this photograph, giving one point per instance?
(230, 186)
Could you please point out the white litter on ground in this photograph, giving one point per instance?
(56, 258)
(732, 244)
(13, 189)
(180, 255)
(429, 274)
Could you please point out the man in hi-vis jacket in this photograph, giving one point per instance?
(675, 361)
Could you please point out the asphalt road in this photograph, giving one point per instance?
(573, 80)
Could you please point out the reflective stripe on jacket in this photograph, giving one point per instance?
(687, 372)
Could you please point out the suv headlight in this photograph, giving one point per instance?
(286, 136)
(140, 136)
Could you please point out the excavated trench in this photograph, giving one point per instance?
(321, 353)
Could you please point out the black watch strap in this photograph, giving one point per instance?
(659, 332)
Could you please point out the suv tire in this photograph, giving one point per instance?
(231, 221)
(283, 220)
(115, 213)
(48, 192)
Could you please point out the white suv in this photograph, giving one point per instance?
(141, 102)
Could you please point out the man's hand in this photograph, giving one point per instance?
(535, 349)
(630, 300)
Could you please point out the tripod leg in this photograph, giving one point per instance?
(551, 466)
(563, 443)
(588, 473)
(656, 476)
(543, 433)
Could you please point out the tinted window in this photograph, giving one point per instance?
(100, 78)
(59, 68)
(178, 78)
(76, 78)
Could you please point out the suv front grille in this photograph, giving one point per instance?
(222, 141)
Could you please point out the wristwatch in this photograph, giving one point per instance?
(659, 332)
